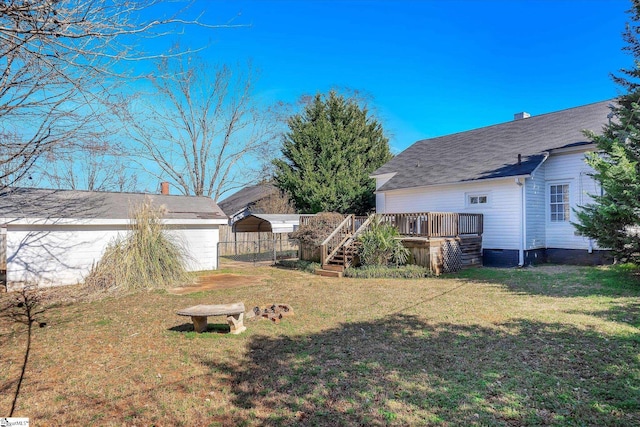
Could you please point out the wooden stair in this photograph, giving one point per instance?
(340, 248)
(343, 258)
(328, 273)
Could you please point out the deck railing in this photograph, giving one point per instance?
(422, 224)
(436, 224)
(304, 219)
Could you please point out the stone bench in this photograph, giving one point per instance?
(199, 314)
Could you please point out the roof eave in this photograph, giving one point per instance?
(573, 149)
(107, 221)
(475, 181)
(383, 175)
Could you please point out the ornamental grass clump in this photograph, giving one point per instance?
(148, 257)
(381, 245)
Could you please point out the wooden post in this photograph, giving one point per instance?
(3, 247)
(456, 218)
(275, 249)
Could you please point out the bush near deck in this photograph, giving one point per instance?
(387, 272)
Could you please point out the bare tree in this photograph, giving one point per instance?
(59, 60)
(96, 166)
(203, 128)
(276, 203)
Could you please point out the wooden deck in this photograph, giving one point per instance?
(441, 241)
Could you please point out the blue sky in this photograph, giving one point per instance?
(431, 67)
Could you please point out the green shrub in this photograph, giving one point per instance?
(146, 258)
(308, 266)
(387, 272)
(381, 244)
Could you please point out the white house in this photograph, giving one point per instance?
(526, 176)
(53, 237)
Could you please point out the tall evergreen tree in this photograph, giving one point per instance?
(613, 219)
(329, 152)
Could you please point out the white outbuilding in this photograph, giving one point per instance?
(53, 237)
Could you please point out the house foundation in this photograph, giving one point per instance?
(507, 258)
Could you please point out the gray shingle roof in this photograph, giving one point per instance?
(492, 152)
(246, 197)
(75, 204)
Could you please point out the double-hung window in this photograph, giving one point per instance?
(559, 202)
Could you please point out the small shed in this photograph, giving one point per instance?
(53, 237)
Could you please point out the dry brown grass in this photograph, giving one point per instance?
(473, 350)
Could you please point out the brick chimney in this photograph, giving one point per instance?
(164, 187)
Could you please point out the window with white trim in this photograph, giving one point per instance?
(477, 200)
(559, 209)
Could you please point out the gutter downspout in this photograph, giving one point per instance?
(523, 221)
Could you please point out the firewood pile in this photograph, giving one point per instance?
(275, 312)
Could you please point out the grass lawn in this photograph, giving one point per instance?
(538, 346)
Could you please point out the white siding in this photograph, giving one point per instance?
(501, 215)
(380, 203)
(64, 254)
(536, 208)
(54, 254)
(571, 169)
(202, 245)
(380, 197)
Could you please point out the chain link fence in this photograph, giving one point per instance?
(256, 251)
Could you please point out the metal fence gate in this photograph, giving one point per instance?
(257, 251)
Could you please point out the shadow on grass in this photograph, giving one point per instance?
(621, 312)
(23, 308)
(561, 281)
(218, 328)
(401, 370)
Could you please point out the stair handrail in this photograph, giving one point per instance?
(363, 226)
(323, 245)
(337, 248)
(359, 231)
(351, 239)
